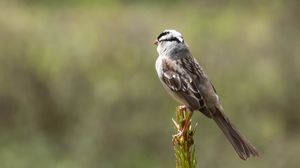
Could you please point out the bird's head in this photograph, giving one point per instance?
(168, 40)
(169, 36)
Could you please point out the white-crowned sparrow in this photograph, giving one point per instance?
(183, 77)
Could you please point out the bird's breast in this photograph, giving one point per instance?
(158, 66)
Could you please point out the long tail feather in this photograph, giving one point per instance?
(240, 144)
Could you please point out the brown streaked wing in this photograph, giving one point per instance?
(179, 81)
(194, 71)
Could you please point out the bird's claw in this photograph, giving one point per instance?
(177, 136)
(182, 108)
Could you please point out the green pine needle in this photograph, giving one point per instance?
(184, 145)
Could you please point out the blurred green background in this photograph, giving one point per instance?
(78, 86)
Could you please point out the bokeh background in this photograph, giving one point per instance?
(78, 86)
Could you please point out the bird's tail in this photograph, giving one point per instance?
(240, 144)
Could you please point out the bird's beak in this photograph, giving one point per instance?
(155, 42)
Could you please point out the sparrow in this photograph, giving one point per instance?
(185, 80)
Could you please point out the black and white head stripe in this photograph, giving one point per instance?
(170, 35)
(162, 34)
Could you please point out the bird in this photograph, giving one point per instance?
(185, 80)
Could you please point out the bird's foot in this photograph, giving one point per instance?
(182, 108)
(177, 137)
